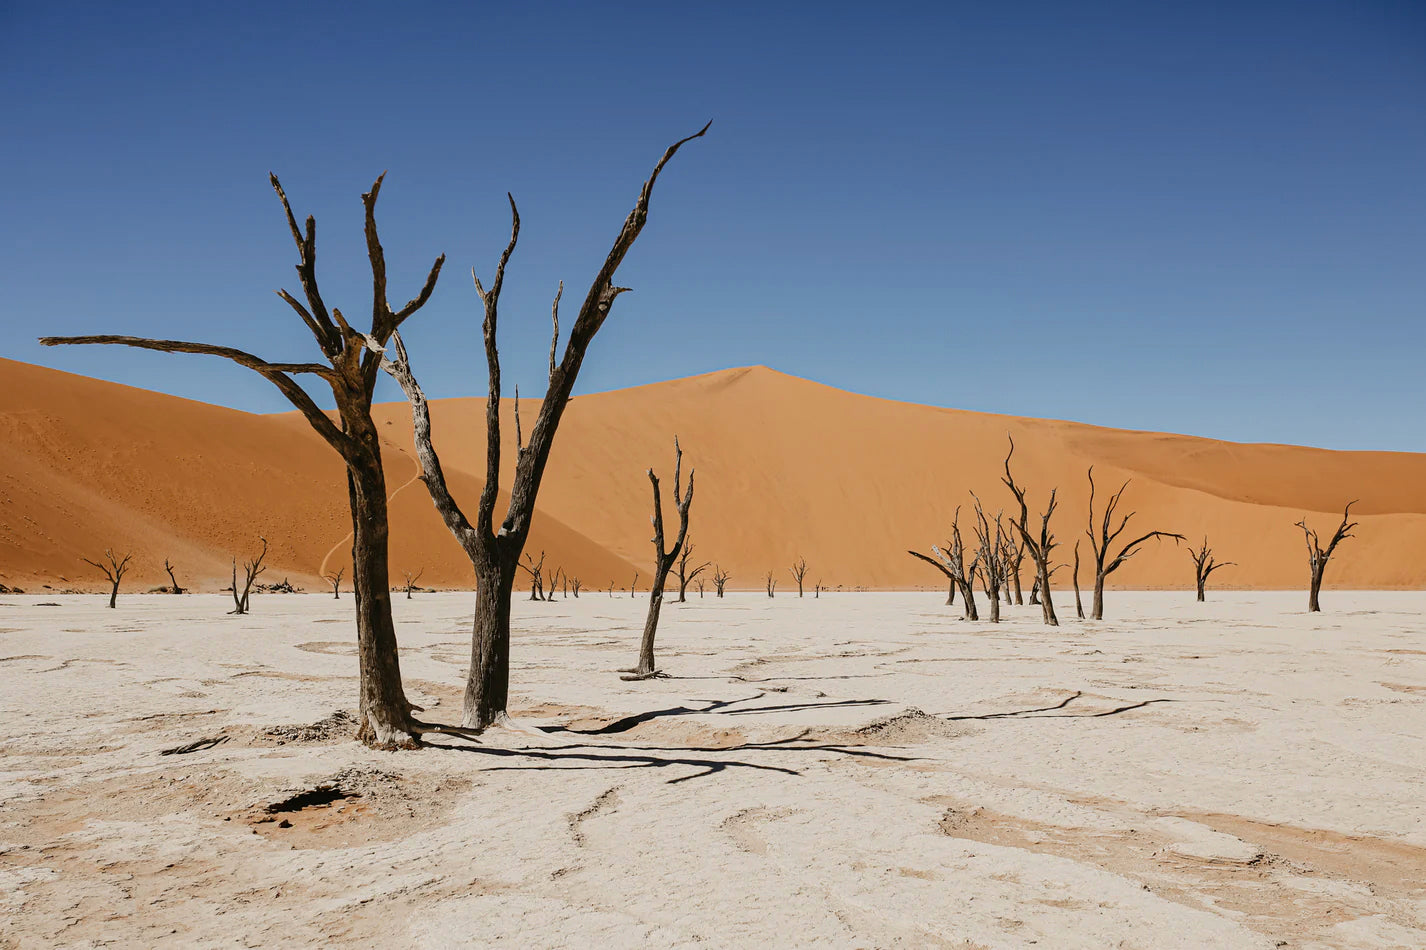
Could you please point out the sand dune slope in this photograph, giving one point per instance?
(785, 467)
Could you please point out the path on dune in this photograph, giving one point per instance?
(322, 571)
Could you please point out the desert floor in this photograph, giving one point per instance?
(859, 770)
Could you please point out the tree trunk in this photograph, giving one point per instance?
(385, 713)
(968, 601)
(114, 595)
(1200, 579)
(951, 594)
(1015, 582)
(1047, 606)
(651, 625)
(1096, 611)
(487, 685)
(994, 598)
(1312, 605)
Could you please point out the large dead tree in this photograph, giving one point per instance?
(688, 574)
(115, 569)
(336, 581)
(1102, 537)
(251, 569)
(173, 581)
(495, 551)
(1317, 556)
(411, 580)
(663, 561)
(1204, 565)
(950, 577)
(351, 371)
(1037, 544)
(990, 550)
(799, 571)
(720, 579)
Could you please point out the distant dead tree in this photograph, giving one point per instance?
(953, 557)
(411, 580)
(1316, 557)
(663, 561)
(817, 590)
(574, 583)
(771, 583)
(494, 553)
(1014, 559)
(720, 579)
(1204, 565)
(536, 571)
(115, 570)
(799, 571)
(1078, 604)
(251, 569)
(991, 548)
(173, 581)
(686, 574)
(351, 371)
(1037, 545)
(1102, 536)
(336, 581)
(634, 587)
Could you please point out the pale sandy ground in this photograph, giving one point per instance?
(1234, 774)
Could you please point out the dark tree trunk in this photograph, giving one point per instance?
(1200, 588)
(1047, 606)
(1078, 603)
(487, 687)
(114, 595)
(1312, 605)
(651, 626)
(1096, 610)
(385, 713)
(968, 599)
(1015, 583)
(951, 594)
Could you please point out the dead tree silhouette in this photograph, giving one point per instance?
(173, 581)
(1101, 536)
(799, 571)
(990, 549)
(1317, 557)
(688, 575)
(663, 561)
(411, 580)
(1037, 545)
(336, 581)
(720, 579)
(351, 371)
(115, 570)
(1204, 565)
(251, 570)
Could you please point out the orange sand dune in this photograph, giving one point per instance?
(785, 467)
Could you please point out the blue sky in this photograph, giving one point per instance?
(1195, 217)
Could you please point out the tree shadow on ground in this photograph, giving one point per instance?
(715, 706)
(1053, 714)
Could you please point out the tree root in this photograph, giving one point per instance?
(635, 675)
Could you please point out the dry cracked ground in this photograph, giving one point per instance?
(855, 770)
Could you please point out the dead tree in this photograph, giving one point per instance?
(411, 580)
(817, 590)
(799, 571)
(1014, 559)
(771, 583)
(634, 587)
(700, 590)
(951, 582)
(114, 570)
(1037, 545)
(991, 548)
(1204, 565)
(336, 581)
(663, 561)
(1316, 557)
(1102, 536)
(574, 583)
(536, 571)
(351, 371)
(1078, 603)
(173, 581)
(251, 570)
(720, 580)
(687, 575)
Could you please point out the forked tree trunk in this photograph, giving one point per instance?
(1312, 605)
(487, 688)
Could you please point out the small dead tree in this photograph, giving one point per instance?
(536, 571)
(817, 590)
(771, 583)
(411, 580)
(574, 583)
(1014, 559)
(953, 557)
(686, 574)
(173, 581)
(1317, 557)
(634, 587)
(1038, 544)
(1078, 603)
(494, 551)
(1101, 537)
(991, 547)
(663, 561)
(336, 581)
(115, 570)
(251, 570)
(720, 580)
(799, 571)
(350, 371)
(1204, 565)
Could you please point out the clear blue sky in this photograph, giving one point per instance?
(1196, 217)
